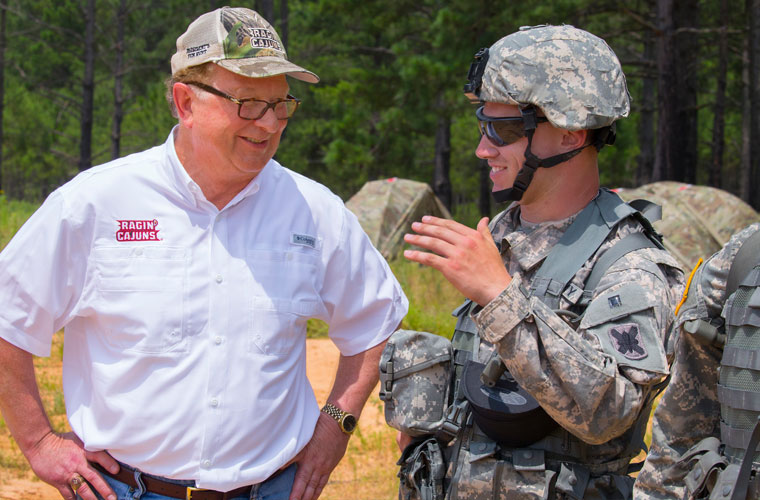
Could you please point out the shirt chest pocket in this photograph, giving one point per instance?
(141, 297)
(284, 295)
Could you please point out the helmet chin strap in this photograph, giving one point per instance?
(532, 162)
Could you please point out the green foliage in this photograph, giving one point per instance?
(431, 298)
(13, 214)
(391, 71)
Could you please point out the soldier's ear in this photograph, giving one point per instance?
(572, 139)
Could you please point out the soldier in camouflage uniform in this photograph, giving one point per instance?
(689, 410)
(548, 97)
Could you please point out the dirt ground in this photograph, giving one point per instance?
(321, 362)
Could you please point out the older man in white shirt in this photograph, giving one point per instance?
(184, 276)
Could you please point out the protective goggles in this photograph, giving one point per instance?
(503, 131)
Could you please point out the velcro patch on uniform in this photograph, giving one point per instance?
(626, 339)
(304, 240)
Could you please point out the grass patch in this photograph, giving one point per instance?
(13, 214)
(431, 298)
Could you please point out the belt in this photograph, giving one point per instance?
(173, 490)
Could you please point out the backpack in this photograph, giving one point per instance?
(722, 467)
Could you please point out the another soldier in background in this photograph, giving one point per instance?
(569, 287)
(690, 409)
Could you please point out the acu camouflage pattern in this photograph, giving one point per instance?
(414, 381)
(594, 397)
(689, 410)
(571, 75)
(386, 209)
(696, 220)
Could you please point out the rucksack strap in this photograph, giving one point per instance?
(742, 480)
(746, 258)
(584, 237)
(634, 241)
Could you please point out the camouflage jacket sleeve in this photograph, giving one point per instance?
(689, 411)
(595, 379)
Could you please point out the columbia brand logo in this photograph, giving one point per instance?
(305, 240)
(137, 230)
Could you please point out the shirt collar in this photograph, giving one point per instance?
(528, 246)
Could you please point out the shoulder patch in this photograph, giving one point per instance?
(626, 339)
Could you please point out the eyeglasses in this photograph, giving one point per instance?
(503, 131)
(254, 109)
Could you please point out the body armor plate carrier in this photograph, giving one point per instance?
(485, 394)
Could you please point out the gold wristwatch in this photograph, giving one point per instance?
(346, 421)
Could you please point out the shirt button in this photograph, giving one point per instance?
(214, 402)
(175, 333)
(206, 464)
(218, 278)
(217, 340)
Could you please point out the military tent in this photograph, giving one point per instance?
(696, 220)
(386, 209)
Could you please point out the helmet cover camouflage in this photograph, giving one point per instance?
(573, 76)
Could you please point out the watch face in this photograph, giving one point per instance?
(349, 423)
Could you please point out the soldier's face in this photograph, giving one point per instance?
(506, 161)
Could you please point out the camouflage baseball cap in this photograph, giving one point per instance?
(573, 76)
(239, 40)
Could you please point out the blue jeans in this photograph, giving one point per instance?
(275, 488)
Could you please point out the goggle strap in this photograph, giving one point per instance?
(529, 118)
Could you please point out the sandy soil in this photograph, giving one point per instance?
(321, 362)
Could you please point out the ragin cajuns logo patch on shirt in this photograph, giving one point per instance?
(137, 230)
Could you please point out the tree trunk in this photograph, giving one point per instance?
(647, 120)
(753, 15)
(266, 10)
(719, 118)
(118, 91)
(684, 155)
(666, 91)
(2, 86)
(484, 193)
(441, 180)
(744, 176)
(88, 88)
(676, 157)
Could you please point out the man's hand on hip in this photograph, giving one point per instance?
(58, 458)
(318, 459)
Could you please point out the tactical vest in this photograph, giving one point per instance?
(724, 469)
(519, 429)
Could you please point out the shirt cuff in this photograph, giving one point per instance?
(505, 312)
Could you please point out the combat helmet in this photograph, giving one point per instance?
(572, 76)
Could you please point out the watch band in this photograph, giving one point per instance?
(346, 421)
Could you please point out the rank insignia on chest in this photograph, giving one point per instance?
(614, 301)
(626, 339)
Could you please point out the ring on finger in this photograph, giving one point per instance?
(76, 482)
